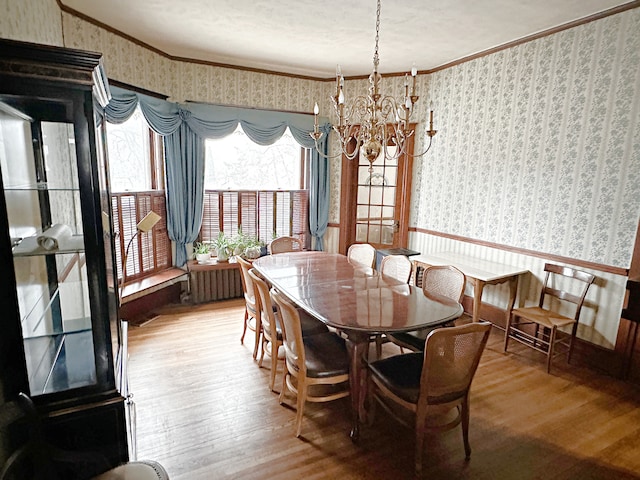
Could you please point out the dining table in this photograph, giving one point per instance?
(358, 302)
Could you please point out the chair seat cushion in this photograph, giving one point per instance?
(326, 355)
(400, 374)
(416, 338)
(142, 470)
(311, 325)
(546, 318)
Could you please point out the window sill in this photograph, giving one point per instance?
(152, 283)
(194, 266)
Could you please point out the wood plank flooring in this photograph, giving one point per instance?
(204, 410)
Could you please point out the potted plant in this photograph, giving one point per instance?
(202, 252)
(223, 247)
(246, 245)
(253, 248)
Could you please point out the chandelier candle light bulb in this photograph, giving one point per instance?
(374, 121)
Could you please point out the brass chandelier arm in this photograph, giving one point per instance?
(367, 118)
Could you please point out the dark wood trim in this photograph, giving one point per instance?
(133, 88)
(536, 36)
(628, 347)
(50, 55)
(259, 109)
(634, 270)
(514, 43)
(348, 182)
(104, 26)
(533, 253)
(404, 185)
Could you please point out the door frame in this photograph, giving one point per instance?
(348, 196)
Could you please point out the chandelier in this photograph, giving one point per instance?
(374, 121)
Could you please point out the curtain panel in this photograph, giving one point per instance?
(184, 128)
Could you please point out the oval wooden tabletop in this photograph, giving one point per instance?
(343, 296)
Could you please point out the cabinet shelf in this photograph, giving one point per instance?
(29, 246)
(36, 188)
(60, 362)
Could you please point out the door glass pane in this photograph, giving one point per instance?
(376, 200)
(45, 225)
(362, 212)
(361, 232)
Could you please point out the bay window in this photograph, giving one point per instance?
(136, 175)
(259, 190)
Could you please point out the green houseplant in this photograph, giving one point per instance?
(223, 246)
(202, 252)
(246, 245)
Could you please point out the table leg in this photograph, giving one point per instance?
(513, 289)
(478, 287)
(358, 348)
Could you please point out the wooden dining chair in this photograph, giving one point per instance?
(440, 280)
(398, 268)
(524, 324)
(252, 320)
(271, 325)
(316, 366)
(427, 384)
(284, 245)
(362, 255)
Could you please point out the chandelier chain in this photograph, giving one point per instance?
(373, 123)
(376, 59)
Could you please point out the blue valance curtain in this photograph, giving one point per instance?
(184, 128)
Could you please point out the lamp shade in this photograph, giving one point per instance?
(148, 222)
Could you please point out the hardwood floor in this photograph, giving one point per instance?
(204, 410)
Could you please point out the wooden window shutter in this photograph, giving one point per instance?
(249, 213)
(266, 225)
(210, 216)
(300, 217)
(230, 210)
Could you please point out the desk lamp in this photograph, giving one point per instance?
(143, 226)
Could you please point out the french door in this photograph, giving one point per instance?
(375, 200)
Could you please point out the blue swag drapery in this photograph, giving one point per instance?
(184, 128)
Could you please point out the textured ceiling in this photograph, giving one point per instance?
(306, 37)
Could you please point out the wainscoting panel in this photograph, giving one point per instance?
(331, 239)
(600, 315)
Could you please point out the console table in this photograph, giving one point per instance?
(479, 272)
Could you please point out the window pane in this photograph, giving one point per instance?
(129, 159)
(235, 162)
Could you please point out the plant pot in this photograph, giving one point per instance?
(223, 256)
(203, 257)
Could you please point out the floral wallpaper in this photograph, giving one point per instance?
(539, 145)
(31, 21)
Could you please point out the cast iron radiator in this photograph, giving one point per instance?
(211, 285)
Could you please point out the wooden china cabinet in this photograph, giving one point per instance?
(628, 340)
(59, 331)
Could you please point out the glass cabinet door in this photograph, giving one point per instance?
(40, 177)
